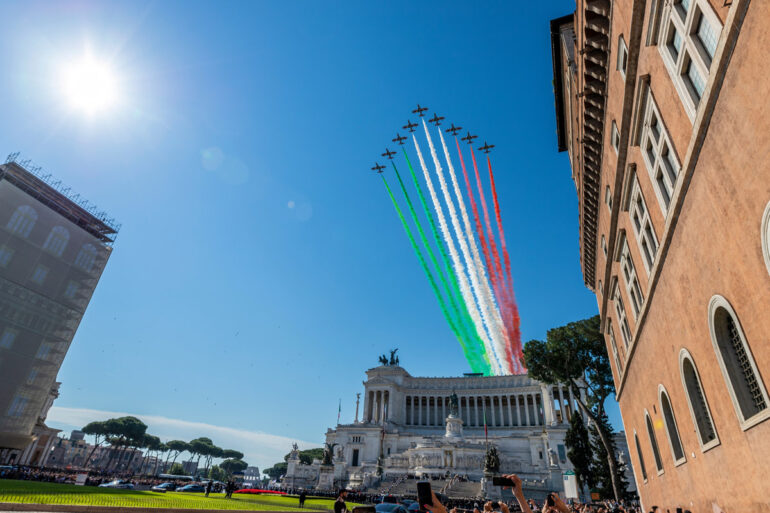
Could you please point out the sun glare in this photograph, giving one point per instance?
(89, 85)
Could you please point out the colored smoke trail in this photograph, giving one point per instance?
(458, 266)
(455, 296)
(472, 241)
(476, 364)
(494, 254)
(485, 248)
(489, 311)
(461, 328)
(511, 296)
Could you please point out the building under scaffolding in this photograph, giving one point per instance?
(53, 249)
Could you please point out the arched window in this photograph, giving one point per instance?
(641, 458)
(57, 240)
(765, 235)
(653, 442)
(22, 221)
(744, 383)
(86, 258)
(696, 400)
(672, 430)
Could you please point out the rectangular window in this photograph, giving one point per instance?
(39, 274)
(707, 36)
(658, 155)
(44, 351)
(632, 282)
(32, 377)
(18, 406)
(620, 310)
(622, 56)
(691, 39)
(604, 245)
(614, 345)
(7, 338)
(6, 254)
(615, 136)
(71, 290)
(608, 198)
(640, 220)
(696, 80)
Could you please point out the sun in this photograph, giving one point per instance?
(89, 85)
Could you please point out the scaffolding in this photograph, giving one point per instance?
(59, 197)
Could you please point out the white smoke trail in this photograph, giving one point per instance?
(477, 263)
(465, 289)
(483, 296)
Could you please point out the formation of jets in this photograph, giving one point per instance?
(436, 119)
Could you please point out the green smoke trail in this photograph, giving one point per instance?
(476, 364)
(456, 296)
(458, 319)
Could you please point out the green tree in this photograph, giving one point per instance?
(576, 355)
(579, 451)
(233, 466)
(152, 443)
(600, 468)
(177, 447)
(231, 454)
(217, 473)
(99, 430)
(176, 469)
(277, 470)
(199, 447)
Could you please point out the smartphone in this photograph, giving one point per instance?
(502, 481)
(424, 495)
(549, 501)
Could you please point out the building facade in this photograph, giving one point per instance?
(410, 428)
(662, 106)
(53, 249)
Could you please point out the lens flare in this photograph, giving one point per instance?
(89, 85)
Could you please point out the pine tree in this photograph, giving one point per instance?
(600, 467)
(579, 451)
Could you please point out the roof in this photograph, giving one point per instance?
(60, 198)
(558, 85)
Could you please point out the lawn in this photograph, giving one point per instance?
(51, 493)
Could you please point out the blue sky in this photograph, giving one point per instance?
(260, 269)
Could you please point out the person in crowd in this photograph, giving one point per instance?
(302, 497)
(208, 487)
(339, 504)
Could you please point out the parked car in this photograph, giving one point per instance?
(388, 507)
(118, 483)
(196, 488)
(164, 487)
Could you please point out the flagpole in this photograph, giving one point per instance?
(339, 411)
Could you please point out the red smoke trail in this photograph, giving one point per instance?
(505, 299)
(493, 271)
(511, 295)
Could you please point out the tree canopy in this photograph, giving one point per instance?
(576, 355)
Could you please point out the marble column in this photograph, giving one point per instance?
(510, 411)
(443, 410)
(526, 407)
(571, 402)
(518, 410)
(562, 407)
(492, 407)
(547, 404)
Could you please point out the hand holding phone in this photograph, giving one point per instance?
(502, 481)
(424, 494)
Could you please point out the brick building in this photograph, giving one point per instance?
(664, 109)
